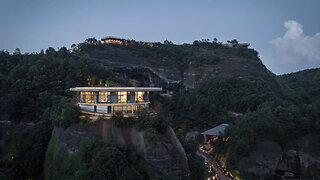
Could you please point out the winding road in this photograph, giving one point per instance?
(215, 166)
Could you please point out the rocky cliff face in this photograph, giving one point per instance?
(270, 159)
(131, 67)
(167, 154)
(302, 155)
(262, 162)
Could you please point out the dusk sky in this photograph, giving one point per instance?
(285, 33)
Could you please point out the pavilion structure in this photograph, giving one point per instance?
(108, 100)
(213, 133)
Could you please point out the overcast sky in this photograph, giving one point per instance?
(286, 33)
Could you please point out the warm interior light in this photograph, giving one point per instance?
(122, 97)
(139, 96)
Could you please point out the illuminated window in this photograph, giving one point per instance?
(87, 97)
(124, 109)
(122, 97)
(104, 96)
(138, 108)
(139, 96)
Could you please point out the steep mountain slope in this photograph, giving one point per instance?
(173, 66)
(167, 154)
(304, 83)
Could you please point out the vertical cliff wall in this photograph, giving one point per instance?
(167, 154)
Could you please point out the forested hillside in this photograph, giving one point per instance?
(305, 83)
(34, 87)
(224, 85)
(260, 116)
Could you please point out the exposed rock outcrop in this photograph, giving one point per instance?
(129, 66)
(167, 154)
(298, 158)
(302, 156)
(262, 162)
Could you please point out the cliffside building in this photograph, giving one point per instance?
(108, 100)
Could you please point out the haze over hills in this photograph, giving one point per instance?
(273, 120)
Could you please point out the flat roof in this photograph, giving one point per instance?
(116, 89)
(216, 130)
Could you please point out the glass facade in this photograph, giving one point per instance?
(139, 97)
(138, 108)
(104, 97)
(125, 109)
(114, 97)
(110, 102)
(122, 97)
(87, 97)
(131, 97)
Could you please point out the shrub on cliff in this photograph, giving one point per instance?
(59, 165)
(197, 167)
(146, 121)
(95, 160)
(142, 120)
(120, 121)
(66, 113)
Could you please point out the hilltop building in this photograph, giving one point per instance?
(236, 45)
(243, 45)
(113, 40)
(108, 100)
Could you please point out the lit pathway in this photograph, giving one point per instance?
(219, 172)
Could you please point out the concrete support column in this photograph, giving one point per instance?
(111, 109)
(132, 109)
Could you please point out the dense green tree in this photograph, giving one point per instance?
(95, 160)
(66, 113)
(209, 104)
(17, 52)
(91, 41)
(303, 85)
(198, 169)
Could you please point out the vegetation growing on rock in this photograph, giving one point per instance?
(180, 57)
(95, 160)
